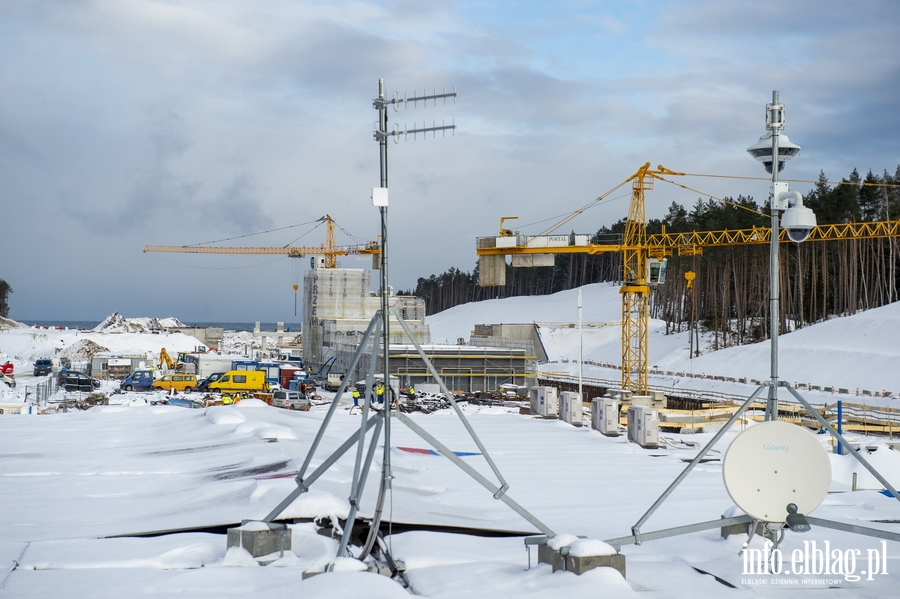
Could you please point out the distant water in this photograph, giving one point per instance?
(228, 326)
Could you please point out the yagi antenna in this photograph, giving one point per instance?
(396, 101)
(424, 130)
(434, 97)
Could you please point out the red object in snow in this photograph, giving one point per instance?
(7, 368)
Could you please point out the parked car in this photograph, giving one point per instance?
(51, 365)
(5, 378)
(292, 400)
(179, 382)
(203, 384)
(139, 380)
(71, 380)
(185, 403)
(42, 367)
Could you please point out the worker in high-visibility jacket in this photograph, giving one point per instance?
(379, 393)
(411, 391)
(355, 395)
(226, 399)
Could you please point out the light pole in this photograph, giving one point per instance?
(797, 220)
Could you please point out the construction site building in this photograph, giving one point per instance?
(337, 307)
(524, 336)
(464, 368)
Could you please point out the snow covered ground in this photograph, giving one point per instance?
(75, 488)
(856, 352)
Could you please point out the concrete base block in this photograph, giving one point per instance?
(580, 565)
(550, 556)
(275, 538)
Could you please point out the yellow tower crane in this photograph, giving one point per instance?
(640, 253)
(330, 250)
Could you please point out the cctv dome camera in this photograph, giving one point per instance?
(798, 221)
(762, 151)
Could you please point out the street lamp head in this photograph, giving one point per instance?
(762, 151)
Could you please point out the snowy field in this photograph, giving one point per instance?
(78, 488)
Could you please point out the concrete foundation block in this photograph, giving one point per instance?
(580, 565)
(260, 539)
(546, 555)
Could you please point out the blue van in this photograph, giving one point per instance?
(139, 380)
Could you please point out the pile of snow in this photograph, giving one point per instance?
(116, 323)
(243, 342)
(9, 323)
(82, 351)
(590, 548)
(602, 303)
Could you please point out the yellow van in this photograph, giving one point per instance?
(241, 380)
(179, 382)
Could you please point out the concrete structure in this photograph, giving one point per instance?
(462, 367)
(260, 539)
(279, 333)
(337, 308)
(511, 336)
(209, 336)
(561, 560)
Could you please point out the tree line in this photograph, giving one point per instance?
(730, 292)
(5, 290)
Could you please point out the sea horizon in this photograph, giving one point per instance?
(228, 326)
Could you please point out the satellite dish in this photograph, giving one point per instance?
(773, 464)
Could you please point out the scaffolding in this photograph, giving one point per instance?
(337, 309)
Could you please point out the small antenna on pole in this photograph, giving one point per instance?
(396, 101)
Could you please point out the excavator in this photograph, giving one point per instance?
(167, 363)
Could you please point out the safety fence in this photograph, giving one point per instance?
(833, 389)
(42, 394)
(692, 409)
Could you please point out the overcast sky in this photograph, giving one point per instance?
(133, 122)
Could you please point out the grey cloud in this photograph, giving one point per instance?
(335, 57)
(169, 133)
(237, 207)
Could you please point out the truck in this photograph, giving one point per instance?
(241, 381)
(334, 381)
(207, 364)
(272, 369)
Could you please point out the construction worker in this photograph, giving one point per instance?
(355, 395)
(226, 399)
(379, 393)
(411, 392)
